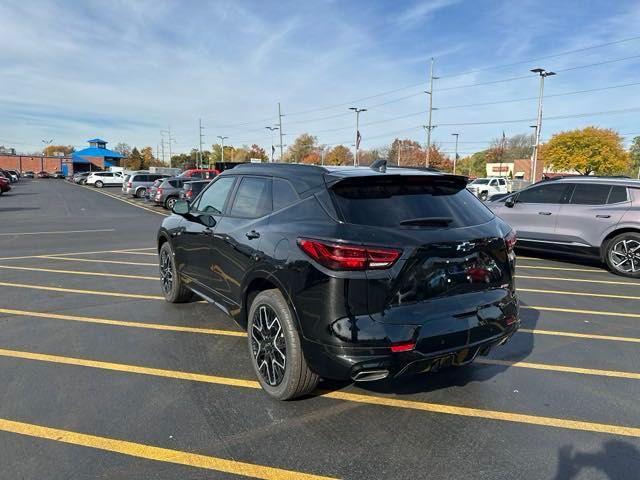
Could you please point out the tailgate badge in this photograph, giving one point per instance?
(465, 246)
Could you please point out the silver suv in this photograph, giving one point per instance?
(597, 217)
(136, 183)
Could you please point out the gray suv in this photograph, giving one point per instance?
(136, 183)
(598, 217)
(168, 192)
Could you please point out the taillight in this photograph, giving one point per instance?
(510, 239)
(129, 184)
(188, 193)
(403, 346)
(337, 256)
(159, 191)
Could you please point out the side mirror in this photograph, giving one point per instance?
(207, 220)
(181, 207)
(510, 202)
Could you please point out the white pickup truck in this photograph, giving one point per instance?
(483, 188)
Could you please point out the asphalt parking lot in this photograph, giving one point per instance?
(103, 379)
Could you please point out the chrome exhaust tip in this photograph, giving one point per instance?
(370, 375)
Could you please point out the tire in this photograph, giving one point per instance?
(99, 184)
(483, 196)
(140, 192)
(169, 202)
(622, 254)
(271, 329)
(172, 285)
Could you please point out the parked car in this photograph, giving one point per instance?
(595, 217)
(345, 273)
(15, 175)
(104, 179)
(151, 191)
(4, 185)
(220, 167)
(28, 174)
(195, 173)
(483, 188)
(190, 190)
(58, 174)
(168, 192)
(12, 177)
(42, 174)
(80, 177)
(137, 183)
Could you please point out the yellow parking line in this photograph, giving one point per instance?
(561, 368)
(115, 197)
(151, 452)
(579, 294)
(588, 336)
(83, 292)
(563, 279)
(581, 312)
(345, 396)
(563, 269)
(69, 253)
(121, 323)
(91, 260)
(75, 272)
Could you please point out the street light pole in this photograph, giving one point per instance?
(280, 128)
(357, 143)
(272, 149)
(455, 158)
(222, 139)
(543, 74)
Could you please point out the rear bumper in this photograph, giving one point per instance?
(438, 342)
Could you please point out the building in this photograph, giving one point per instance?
(35, 163)
(96, 157)
(519, 169)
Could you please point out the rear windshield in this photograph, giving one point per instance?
(387, 202)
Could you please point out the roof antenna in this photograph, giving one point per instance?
(379, 165)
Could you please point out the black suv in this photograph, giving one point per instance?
(345, 273)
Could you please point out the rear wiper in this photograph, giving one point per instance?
(428, 222)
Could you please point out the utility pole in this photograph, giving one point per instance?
(430, 125)
(162, 145)
(222, 139)
(455, 158)
(169, 140)
(272, 147)
(543, 74)
(357, 142)
(201, 136)
(280, 128)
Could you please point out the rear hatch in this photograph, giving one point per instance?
(455, 268)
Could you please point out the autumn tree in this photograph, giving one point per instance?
(216, 153)
(587, 150)
(257, 151)
(339, 155)
(302, 146)
(58, 150)
(135, 160)
(634, 152)
(312, 158)
(406, 153)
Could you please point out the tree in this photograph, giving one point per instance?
(406, 153)
(216, 153)
(339, 155)
(257, 151)
(312, 158)
(58, 150)
(587, 150)
(474, 165)
(123, 149)
(135, 160)
(634, 152)
(302, 146)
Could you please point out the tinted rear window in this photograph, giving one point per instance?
(590, 194)
(617, 195)
(386, 202)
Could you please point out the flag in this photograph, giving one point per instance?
(358, 138)
(273, 150)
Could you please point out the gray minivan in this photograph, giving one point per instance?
(136, 183)
(589, 216)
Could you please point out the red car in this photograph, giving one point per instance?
(4, 185)
(198, 173)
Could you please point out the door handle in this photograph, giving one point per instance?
(207, 231)
(603, 216)
(252, 234)
(544, 213)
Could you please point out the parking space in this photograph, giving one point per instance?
(98, 369)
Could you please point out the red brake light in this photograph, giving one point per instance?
(337, 256)
(510, 239)
(188, 193)
(403, 346)
(128, 184)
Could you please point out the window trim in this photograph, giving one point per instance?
(235, 192)
(232, 192)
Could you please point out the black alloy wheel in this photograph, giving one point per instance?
(268, 345)
(172, 285)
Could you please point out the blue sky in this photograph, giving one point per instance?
(124, 70)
